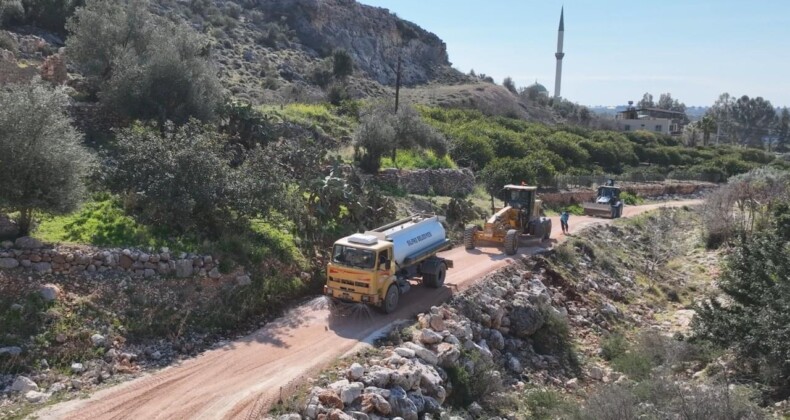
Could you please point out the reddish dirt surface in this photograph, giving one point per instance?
(242, 378)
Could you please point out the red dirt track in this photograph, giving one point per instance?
(242, 377)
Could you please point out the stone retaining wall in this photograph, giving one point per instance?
(446, 182)
(562, 198)
(31, 255)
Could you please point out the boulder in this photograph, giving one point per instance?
(418, 400)
(375, 403)
(42, 267)
(448, 354)
(49, 292)
(402, 405)
(525, 320)
(6, 244)
(406, 377)
(431, 405)
(23, 384)
(427, 336)
(10, 351)
(9, 263)
(404, 352)
(36, 397)
(514, 365)
(423, 353)
(243, 280)
(8, 230)
(214, 273)
(351, 392)
(436, 322)
(430, 380)
(184, 268)
(378, 376)
(355, 372)
(330, 399)
(597, 373)
(475, 409)
(77, 368)
(290, 416)
(26, 242)
(609, 310)
(98, 340)
(338, 414)
(497, 340)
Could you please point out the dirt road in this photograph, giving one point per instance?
(241, 377)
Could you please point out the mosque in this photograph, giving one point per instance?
(537, 88)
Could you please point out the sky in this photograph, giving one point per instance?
(615, 51)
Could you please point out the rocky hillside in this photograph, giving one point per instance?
(281, 50)
(373, 37)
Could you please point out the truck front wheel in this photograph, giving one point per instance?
(391, 299)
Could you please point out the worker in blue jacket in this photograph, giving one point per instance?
(564, 221)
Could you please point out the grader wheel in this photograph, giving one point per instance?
(511, 242)
(469, 237)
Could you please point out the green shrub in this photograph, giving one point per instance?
(575, 209)
(11, 12)
(755, 279)
(554, 339)
(472, 152)
(8, 43)
(613, 346)
(635, 364)
(631, 199)
(478, 387)
(163, 72)
(182, 178)
(547, 404)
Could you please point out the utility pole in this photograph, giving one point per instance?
(397, 82)
(397, 101)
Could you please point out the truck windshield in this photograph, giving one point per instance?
(353, 257)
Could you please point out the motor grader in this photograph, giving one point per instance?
(607, 202)
(519, 219)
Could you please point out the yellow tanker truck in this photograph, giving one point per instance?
(375, 267)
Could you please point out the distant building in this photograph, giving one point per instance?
(536, 90)
(656, 120)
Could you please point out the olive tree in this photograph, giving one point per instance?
(41, 153)
(382, 131)
(145, 66)
(182, 178)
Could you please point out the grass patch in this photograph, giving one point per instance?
(327, 118)
(418, 159)
(101, 222)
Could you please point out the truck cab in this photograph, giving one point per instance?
(359, 269)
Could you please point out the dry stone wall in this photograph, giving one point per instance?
(447, 182)
(31, 255)
(655, 191)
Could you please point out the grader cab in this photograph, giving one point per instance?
(518, 219)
